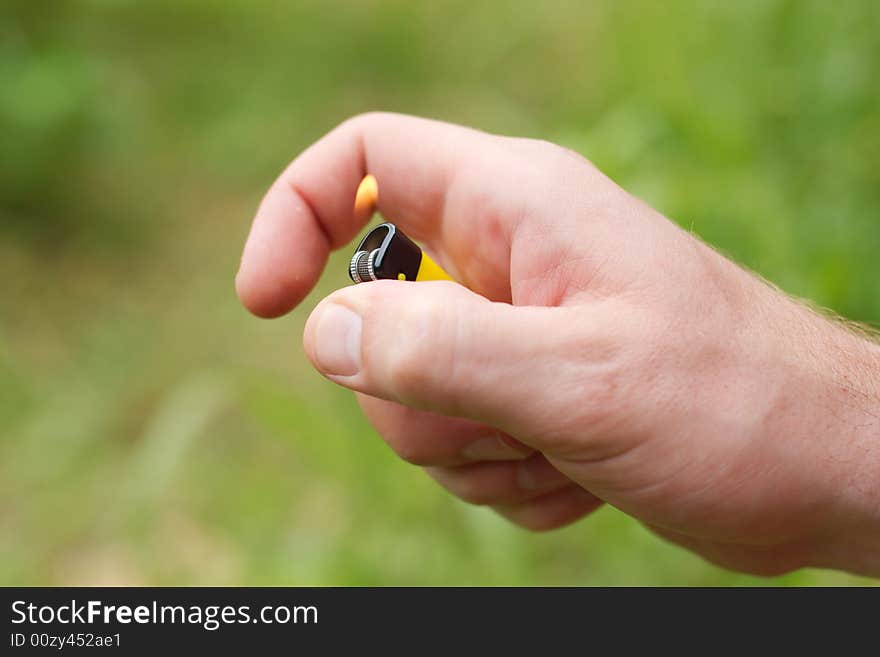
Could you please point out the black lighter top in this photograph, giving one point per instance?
(385, 252)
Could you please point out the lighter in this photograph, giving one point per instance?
(385, 252)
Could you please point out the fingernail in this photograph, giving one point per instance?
(338, 341)
(491, 448)
(538, 474)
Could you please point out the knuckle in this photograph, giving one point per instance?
(399, 428)
(412, 451)
(551, 152)
(616, 378)
(602, 395)
(419, 354)
(470, 486)
(598, 378)
(362, 119)
(472, 492)
(539, 523)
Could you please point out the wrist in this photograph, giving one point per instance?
(845, 415)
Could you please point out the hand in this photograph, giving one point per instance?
(595, 352)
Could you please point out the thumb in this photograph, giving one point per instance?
(440, 347)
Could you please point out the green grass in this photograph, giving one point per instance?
(151, 432)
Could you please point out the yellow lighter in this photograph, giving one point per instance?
(385, 252)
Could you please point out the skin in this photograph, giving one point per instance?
(594, 353)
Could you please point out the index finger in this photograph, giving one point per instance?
(309, 209)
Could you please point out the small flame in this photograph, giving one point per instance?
(367, 195)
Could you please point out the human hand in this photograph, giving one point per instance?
(595, 352)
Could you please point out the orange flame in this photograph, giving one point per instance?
(367, 195)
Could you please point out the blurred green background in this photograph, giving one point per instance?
(151, 432)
